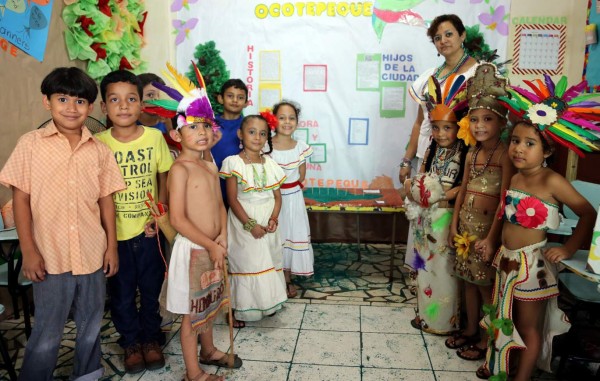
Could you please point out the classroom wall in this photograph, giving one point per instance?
(21, 75)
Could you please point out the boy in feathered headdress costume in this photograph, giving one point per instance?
(524, 314)
(196, 288)
(429, 195)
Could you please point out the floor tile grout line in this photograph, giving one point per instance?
(361, 340)
(296, 344)
(428, 354)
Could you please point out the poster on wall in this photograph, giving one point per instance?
(348, 64)
(24, 23)
(591, 70)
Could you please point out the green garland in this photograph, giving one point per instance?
(106, 33)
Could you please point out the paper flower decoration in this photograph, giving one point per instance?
(563, 115)
(495, 20)
(462, 242)
(531, 212)
(106, 33)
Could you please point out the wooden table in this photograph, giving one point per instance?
(358, 202)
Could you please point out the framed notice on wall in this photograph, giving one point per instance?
(539, 49)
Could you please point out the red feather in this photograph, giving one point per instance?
(159, 111)
(533, 87)
(567, 144)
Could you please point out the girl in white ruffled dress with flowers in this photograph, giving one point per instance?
(291, 155)
(255, 258)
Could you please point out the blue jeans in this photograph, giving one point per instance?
(141, 267)
(53, 299)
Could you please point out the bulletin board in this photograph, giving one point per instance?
(591, 69)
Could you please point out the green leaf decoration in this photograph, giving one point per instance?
(502, 376)
(119, 34)
(432, 311)
(489, 310)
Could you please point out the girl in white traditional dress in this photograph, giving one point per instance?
(255, 257)
(429, 208)
(294, 229)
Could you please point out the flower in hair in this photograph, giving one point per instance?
(464, 132)
(270, 118)
(563, 115)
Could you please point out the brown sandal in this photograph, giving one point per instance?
(479, 352)
(222, 361)
(459, 340)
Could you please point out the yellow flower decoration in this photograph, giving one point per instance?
(462, 242)
(464, 132)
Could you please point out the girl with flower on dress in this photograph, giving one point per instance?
(524, 314)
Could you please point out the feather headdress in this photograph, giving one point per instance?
(447, 104)
(560, 114)
(189, 103)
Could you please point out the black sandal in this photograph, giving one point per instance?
(416, 324)
(460, 340)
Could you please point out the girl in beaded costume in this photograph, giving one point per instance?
(430, 211)
(524, 314)
(253, 180)
(474, 230)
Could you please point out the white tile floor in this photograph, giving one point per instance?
(328, 342)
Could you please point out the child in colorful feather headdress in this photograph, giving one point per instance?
(198, 284)
(524, 314)
(429, 195)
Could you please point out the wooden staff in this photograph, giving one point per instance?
(231, 357)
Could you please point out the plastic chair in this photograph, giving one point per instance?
(93, 124)
(590, 192)
(7, 361)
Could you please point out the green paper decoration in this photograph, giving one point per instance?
(214, 71)
(119, 35)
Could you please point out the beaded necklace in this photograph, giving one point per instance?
(260, 180)
(460, 62)
(476, 173)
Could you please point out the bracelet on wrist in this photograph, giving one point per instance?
(405, 164)
(274, 219)
(250, 224)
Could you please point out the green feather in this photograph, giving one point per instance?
(581, 131)
(442, 222)
(583, 97)
(167, 104)
(560, 87)
(569, 138)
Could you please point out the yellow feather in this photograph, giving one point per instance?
(431, 90)
(183, 81)
(175, 84)
(572, 134)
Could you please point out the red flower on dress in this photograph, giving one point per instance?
(531, 212)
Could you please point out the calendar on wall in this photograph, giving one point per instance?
(539, 49)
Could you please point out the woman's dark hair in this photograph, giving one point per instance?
(464, 149)
(471, 45)
(259, 117)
